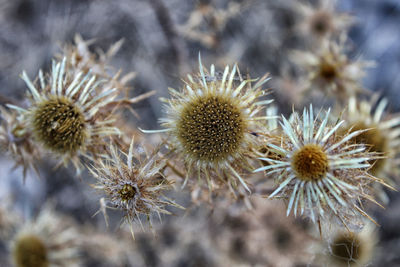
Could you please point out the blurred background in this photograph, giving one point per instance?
(162, 40)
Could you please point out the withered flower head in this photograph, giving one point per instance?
(330, 71)
(319, 171)
(322, 20)
(68, 114)
(47, 241)
(381, 134)
(210, 124)
(136, 187)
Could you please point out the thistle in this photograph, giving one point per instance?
(134, 186)
(47, 241)
(68, 115)
(331, 71)
(322, 21)
(381, 135)
(344, 248)
(211, 122)
(319, 172)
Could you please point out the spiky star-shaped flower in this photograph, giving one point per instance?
(135, 187)
(320, 171)
(211, 122)
(68, 114)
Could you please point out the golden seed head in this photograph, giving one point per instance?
(328, 71)
(59, 125)
(211, 128)
(375, 141)
(310, 163)
(347, 248)
(127, 192)
(30, 251)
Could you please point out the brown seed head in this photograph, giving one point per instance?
(211, 128)
(310, 163)
(30, 251)
(127, 192)
(59, 125)
(375, 141)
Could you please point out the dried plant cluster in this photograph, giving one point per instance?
(220, 138)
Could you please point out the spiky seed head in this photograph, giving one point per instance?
(375, 141)
(310, 163)
(381, 135)
(211, 122)
(48, 240)
(60, 125)
(70, 114)
(211, 128)
(135, 185)
(30, 251)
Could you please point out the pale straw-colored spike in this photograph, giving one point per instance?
(379, 110)
(31, 87)
(60, 82)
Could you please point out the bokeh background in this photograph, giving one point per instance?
(159, 47)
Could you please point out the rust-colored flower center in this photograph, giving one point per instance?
(30, 251)
(211, 128)
(327, 71)
(346, 248)
(310, 163)
(127, 192)
(59, 125)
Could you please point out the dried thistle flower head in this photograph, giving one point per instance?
(50, 240)
(320, 172)
(322, 20)
(69, 115)
(331, 71)
(381, 135)
(16, 141)
(210, 124)
(341, 247)
(136, 187)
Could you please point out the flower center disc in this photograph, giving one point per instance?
(346, 248)
(211, 128)
(127, 192)
(60, 125)
(30, 251)
(310, 163)
(328, 71)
